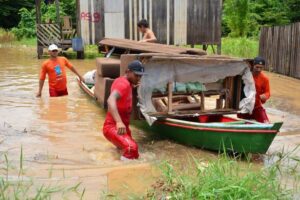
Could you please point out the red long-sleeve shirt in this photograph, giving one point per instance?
(262, 86)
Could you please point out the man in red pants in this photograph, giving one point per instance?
(262, 87)
(116, 125)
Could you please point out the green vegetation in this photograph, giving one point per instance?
(14, 184)
(90, 52)
(239, 47)
(244, 17)
(223, 178)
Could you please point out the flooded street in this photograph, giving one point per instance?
(61, 138)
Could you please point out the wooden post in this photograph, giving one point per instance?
(202, 101)
(170, 97)
(57, 11)
(38, 21)
(238, 91)
(38, 11)
(219, 50)
(78, 21)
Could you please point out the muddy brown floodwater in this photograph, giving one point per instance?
(63, 135)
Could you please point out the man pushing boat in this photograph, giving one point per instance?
(116, 125)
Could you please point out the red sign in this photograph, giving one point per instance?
(91, 17)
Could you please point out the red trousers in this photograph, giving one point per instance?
(259, 114)
(124, 142)
(55, 93)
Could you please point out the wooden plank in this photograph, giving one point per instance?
(202, 103)
(115, 6)
(180, 22)
(99, 28)
(147, 47)
(113, 20)
(280, 47)
(194, 112)
(160, 20)
(170, 98)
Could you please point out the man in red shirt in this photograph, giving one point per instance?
(55, 68)
(116, 125)
(262, 87)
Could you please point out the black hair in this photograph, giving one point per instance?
(143, 23)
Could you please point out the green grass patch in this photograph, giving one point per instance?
(90, 52)
(240, 47)
(15, 184)
(223, 178)
(236, 47)
(27, 42)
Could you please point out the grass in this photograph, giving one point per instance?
(236, 47)
(90, 52)
(6, 36)
(13, 186)
(223, 178)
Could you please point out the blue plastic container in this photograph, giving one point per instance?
(77, 44)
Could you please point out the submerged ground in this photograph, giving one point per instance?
(62, 143)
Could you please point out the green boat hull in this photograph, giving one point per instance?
(238, 139)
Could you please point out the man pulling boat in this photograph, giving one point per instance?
(262, 87)
(116, 125)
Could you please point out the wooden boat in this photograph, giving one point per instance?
(175, 116)
(214, 132)
(223, 133)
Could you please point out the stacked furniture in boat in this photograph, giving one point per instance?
(118, 54)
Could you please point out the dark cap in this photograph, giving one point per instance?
(136, 67)
(259, 61)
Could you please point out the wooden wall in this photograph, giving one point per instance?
(173, 21)
(280, 46)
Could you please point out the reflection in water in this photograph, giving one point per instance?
(64, 133)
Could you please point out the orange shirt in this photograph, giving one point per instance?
(262, 86)
(56, 70)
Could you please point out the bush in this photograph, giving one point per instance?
(26, 27)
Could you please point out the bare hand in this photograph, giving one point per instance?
(263, 98)
(81, 79)
(38, 94)
(121, 128)
(137, 85)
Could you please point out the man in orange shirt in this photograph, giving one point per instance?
(55, 68)
(262, 87)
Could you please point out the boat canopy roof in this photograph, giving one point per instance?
(162, 69)
(146, 47)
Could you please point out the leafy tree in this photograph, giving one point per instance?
(236, 16)
(26, 27)
(9, 11)
(293, 10)
(270, 12)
